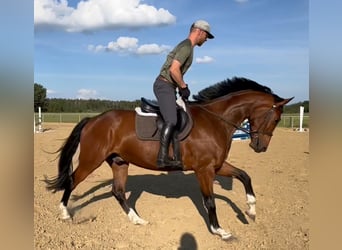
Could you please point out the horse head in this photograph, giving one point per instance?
(251, 100)
(263, 121)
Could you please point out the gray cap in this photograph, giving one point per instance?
(203, 25)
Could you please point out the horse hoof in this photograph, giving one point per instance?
(221, 232)
(141, 222)
(229, 238)
(135, 219)
(65, 218)
(250, 215)
(65, 215)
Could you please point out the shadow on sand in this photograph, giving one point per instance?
(170, 185)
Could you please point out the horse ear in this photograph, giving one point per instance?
(282, 103)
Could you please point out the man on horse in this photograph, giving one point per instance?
(178, 61)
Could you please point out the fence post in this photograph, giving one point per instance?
(301, 115)
(39, 119)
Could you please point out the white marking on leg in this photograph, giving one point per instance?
(251, 201)
(135, 219)
(65, 213)
(221, 232)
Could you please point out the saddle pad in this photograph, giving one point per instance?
(146, 127)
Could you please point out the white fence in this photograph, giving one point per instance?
(289, 121)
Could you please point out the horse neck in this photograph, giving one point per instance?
(238, 106)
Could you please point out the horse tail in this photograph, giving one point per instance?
(65, 168)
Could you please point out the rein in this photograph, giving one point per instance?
(225, 120)
(247, 131)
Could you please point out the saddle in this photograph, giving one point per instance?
(149, 122)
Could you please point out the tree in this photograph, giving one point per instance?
(294, 108)
(40, 97)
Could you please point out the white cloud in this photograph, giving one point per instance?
(123, 44)
(130, 45)
(92, 15)
(97, 48)
(86, 94)
(205, 59)
(152, 49)
(241, 1)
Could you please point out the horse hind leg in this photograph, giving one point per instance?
(120, 173)
(85, 167)
(65, 215)
(229, 170)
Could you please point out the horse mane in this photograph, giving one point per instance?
(229, 86)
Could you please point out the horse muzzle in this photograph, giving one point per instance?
(258, 145)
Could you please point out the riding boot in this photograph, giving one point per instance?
(176, 147)
(163, 160)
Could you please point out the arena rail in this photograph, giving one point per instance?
(287, 120)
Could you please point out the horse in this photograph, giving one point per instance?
(217, 112)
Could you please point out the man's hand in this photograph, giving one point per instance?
(184, 93)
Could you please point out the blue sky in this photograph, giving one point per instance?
(113, 49)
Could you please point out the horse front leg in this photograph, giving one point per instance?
(229, 170)
(206, 179)
(120, 173)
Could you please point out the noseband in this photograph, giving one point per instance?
(239, 127)
(267, 117)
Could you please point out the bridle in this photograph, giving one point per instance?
(267, 115)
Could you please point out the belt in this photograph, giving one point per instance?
(163, 79)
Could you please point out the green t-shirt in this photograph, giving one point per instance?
(183, 53)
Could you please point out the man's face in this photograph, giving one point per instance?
(202, 37)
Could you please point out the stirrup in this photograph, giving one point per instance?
(169, 164)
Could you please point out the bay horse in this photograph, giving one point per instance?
(217, 112)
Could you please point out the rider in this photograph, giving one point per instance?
(171, 74)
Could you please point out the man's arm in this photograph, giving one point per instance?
(176, 74)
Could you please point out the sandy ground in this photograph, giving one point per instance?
(172, 202)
